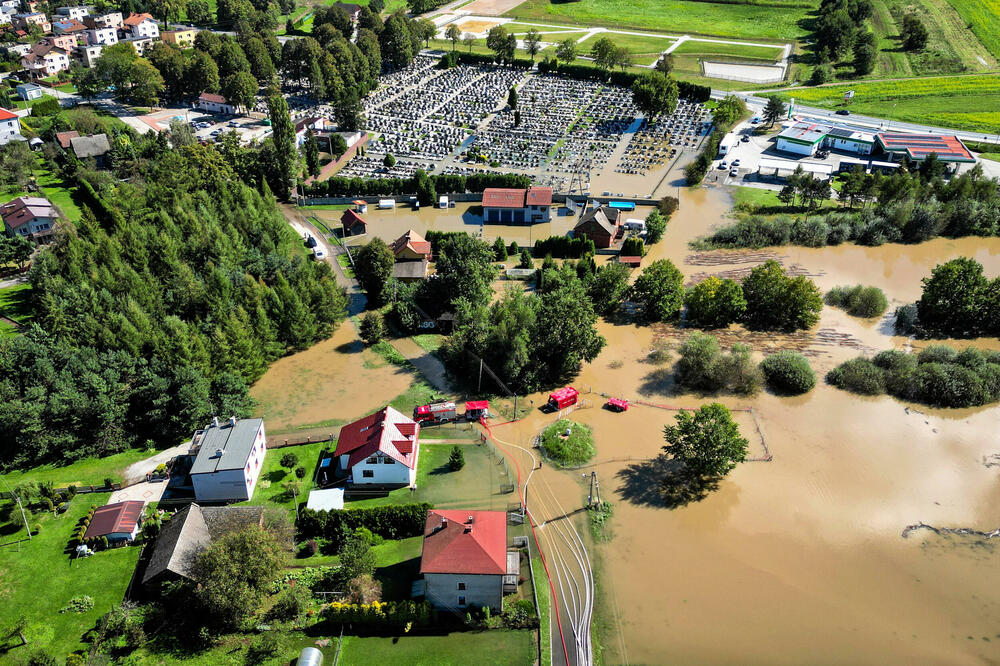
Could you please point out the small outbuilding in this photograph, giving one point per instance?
(29, 91)
(95, 147)
(118, 522)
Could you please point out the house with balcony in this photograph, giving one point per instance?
(141, 26)
(30, 217)
(102, 36)
(45, 60)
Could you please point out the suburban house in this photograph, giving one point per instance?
(68, 27)
(31, 217)
(95, 147)
(603, 225)
(29, 91)
(464, 559)
(63, 138)
(354, 225)
(45, 60)
(17, 49)
(182, 39)
(214, 104)
(76, 13)
(141, 25)
(413, 254)
(381, 448)
(514, 206)
(189, 532)
(919, 147)
(350, 9)
(25, 21)
(118, 522)
(10, 126)
(109, 20)
(90, 54)
(316, 124)
(65, 42)
(140, 44)
(102, 36)
(228, 459)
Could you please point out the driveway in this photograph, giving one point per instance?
(137, 471)
(144, 492)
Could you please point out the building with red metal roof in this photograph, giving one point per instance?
(918, 147)
(10, 127)
(382, 448)
(354, 224)
(503, 205)
(117, 522)
(464, 559)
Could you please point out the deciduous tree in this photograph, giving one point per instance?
(660, 289)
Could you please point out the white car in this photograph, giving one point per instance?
(736, 162)
(319, 254)
(723, 165)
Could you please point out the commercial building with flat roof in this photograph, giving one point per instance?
(805, 138)
(918, 147)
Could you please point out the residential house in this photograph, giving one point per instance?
(109, 20)
(65, 42)
(18, 49)
(316, 124)
(464, 559)
(69, 27)
(515, 206)
(189, 532)
(214, 104)
(102, 36)
(10, 4)
(228, 459)
(118, 522)
(352, 10)
(4, 19)
(94, 147)
(90, 54)
(182, 39)
(353, 223)
(45, 60)
(140, 44)
(381, 448)
(10, 127)
(29, 91)
(603, 225)
(413, 254)
(26, 20)
(63, 138)
(30, 217)
(141, 26)
(77, 12)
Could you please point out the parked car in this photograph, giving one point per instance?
(843, 112)
(736, 162)
(311, 241)
(318, 254)
(233, 123)
(745, 139)
(734, 172)
(216, 132)
(723, 165)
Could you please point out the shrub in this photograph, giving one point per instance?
(372, 327)
(526, 261)
(290, 604)
(633, 247)
(906, 319)
(937, 354)
(788, 372)
(41, 658)
(80, 604)
(300, 472)
(47, 504)
(858, 375)
(736, 372)
(456, 459)
(109, 482)
(75, 659)
(859, 301)
(262, 649)
(49, 106)
(397, 521)
(568, 443)
(310, 548)
(395, 614)
(289, 460)
(518, 613)
(71, 492)
(364, 589)
(36, 529)
(714, 303)
(698, 353)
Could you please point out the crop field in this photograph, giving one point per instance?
(779, 21)
(960, 102)
(709, 49)
(983, 16)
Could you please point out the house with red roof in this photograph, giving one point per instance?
(381, 448)
(464, 559)
(354, 224)
(117, 522)
(30, 217)
(412, 253)
(214, 104)
(10, 126)
(503, 205)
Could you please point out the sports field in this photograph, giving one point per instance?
(983, 16)
(960, 102)
(781, 21)
(643, 44)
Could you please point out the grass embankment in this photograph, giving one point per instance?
(15, 304)
(636, 44)
(38, 578)
(710, 49)
(983, 17)
(58, 191)
(961, 102)
(781, 21)
(572, 450)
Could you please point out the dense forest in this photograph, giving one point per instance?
(173, 294)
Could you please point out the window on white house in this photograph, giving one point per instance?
(368, 473)
(372, 460)
(461, 601)
(388, 461)
(461, 587)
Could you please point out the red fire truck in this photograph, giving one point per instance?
(437, 412)
(563, 398)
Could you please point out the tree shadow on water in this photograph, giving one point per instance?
(662, 482)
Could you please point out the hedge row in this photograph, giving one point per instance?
(443, 184)
(379, 613)
(486, 59)
(563, 247)
(398, 521)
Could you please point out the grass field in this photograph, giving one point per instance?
(708, 49)
(86, 472)
(634, 43)
(273, 493)
(38, 578)
(675, 16)
(15, 303)
(984, 18)
(966, 102)
(503, 648)
(58, 192)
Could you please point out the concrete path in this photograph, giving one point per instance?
(143, 492)
(138, 470)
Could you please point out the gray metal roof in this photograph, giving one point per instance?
(90, 146)
(181, 540)
(236, 443)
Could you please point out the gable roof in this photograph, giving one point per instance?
(136, 19)
(121, 517)
(386, 431)
(39, 51)
(413, 241)
(90, 146)
(503, 197)
(212, 97)
(454, 545)
(604, 217)
(235, 441)
(63, 138)
(22, 210)
(350, 219)
(409, 270)
(7, 115)
(538, 196)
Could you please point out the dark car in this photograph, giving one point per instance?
(843, 112)
(310, 241)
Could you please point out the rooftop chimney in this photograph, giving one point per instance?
(218, 453)
(215, 421)
(444, 523)
(470, 520)
(232, 421)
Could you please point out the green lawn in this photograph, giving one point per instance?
(270, 490)
(709, 49)
(58, 192)
(639, 44)
(675, 16)
(86, 472)
(15, 303)
(966, 102)
(576, 449)
(345, 263)
(984, 17)
(38, 578)
(506, 648)
(766, 202)
(429, 341)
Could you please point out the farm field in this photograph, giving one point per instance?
(984, 17)
(960, 102)
(675, 16)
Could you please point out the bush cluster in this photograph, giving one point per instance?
(939, 376)
(396, 614)
(568, 450)
(563, 247)
(788, 373)
(397, 521)
(703, 366)
(859, 301)
(339, 186)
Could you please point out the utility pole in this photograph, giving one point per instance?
(594, 499)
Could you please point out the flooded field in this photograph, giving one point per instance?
(335, 380)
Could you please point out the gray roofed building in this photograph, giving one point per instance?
(226, 445)
(228, 458)
(96, 146)
(409, 271)
(190, 532)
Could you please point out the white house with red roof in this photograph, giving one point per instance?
(10, 126)
(141, 26)
(503, 205)
(214, 104)
(381, 448)
(464, 559)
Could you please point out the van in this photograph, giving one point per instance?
(384, 204)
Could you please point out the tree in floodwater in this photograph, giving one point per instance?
(703, 446)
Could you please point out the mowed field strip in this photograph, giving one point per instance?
(984, 18)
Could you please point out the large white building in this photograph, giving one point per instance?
(102, 36)
(141, 26)
(228, 461)
(73, 12)
(10, 126)
(805, 138)
(381, 448)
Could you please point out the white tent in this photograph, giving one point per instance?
(331, 499)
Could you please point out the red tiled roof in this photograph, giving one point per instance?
(212, 97)
(350, 219)
(503, 197)
(136, 19)
(64, 137)
(6, 115)
(412, 240)
(387, 431)
(453, 545)
(114, 518)
(22, 210)
(948, 148)
(539, 196)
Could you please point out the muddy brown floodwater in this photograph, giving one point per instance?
(802, 559)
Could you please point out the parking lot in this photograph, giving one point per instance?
(207, 126)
